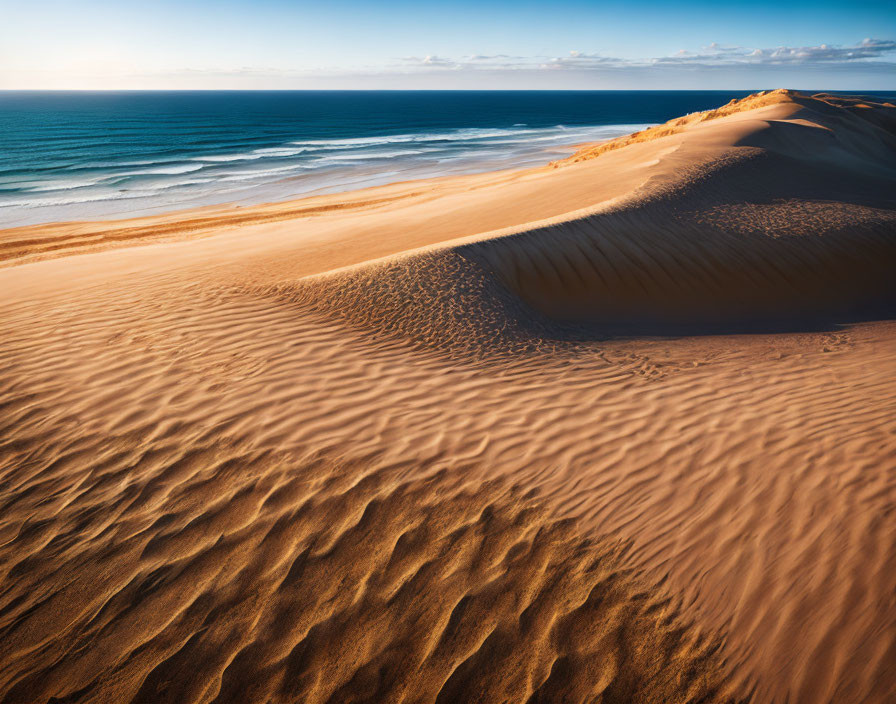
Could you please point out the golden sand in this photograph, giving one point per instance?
(620, 429)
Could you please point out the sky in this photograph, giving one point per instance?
(485, 44)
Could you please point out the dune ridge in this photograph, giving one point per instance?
(418, 450)
(788, 229)
(882, 113)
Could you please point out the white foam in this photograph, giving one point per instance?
(465, 134)
(279, 151)
(228, 157)
(165, 170)
(65, 185)
(370, 155)
(44, 202)
(251, 174)
(330, 165)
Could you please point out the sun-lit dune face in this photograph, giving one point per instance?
(782, 97)
(751, 102)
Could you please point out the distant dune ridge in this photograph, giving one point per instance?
(485, 438)
(793, 225)
(877, 112)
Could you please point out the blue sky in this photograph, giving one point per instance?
(273, 44)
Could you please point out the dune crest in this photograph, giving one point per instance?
(884, 113)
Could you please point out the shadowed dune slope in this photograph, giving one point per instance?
(791, 226)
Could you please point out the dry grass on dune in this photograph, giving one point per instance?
(883, 113)
(678, 124)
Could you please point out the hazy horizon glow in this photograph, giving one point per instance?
(273, 44)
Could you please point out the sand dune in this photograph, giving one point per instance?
(846, 109)
(788, 228)
(412, 444)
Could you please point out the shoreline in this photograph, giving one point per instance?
(37, 242)
(249, 174)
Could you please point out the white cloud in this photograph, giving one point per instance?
(715, 54)
(869, 64)
(868, 49)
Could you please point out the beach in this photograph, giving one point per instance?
(616, 428)
(99, 156)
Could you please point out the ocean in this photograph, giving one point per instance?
(97, 155)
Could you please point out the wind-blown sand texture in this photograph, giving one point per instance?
(620, 429)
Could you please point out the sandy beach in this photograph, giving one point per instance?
(621, 428)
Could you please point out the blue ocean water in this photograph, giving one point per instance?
(90, 155)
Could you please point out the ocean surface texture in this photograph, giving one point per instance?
(76, 156)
